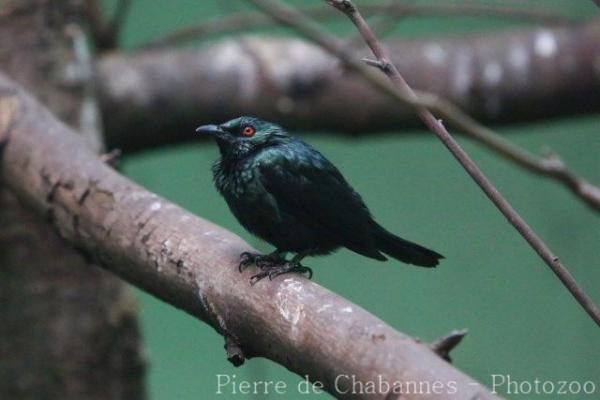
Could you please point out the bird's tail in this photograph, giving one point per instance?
(403, 250)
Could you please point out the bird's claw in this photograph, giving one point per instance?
(262, 261)
(270, 265)
(247, 259)
(281, 269)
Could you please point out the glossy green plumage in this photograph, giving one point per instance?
(286, 192)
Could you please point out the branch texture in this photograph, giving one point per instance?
(423, 105)
(192, 264)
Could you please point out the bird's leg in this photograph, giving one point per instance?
(262, 261)
(283, 268)
(299, 267)
(272, 260)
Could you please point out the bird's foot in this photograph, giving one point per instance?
(280, 269)
(262, 261)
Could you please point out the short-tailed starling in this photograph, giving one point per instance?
(284, 191)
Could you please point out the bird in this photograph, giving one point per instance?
(287, 193)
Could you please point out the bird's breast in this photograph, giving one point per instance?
(237, 183)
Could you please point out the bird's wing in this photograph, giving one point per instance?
(310, 188)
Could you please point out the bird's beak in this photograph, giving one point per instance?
(212, 130)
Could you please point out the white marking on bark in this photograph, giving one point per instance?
(492, 73)
(435, 53)
(280, 61)
(519, 61)
(545, 44)
(518, 58)
(462, 78)
(289, 302)
(232, 59)
(208, 306)
(128, 85)
(323, 308)
(201, 292)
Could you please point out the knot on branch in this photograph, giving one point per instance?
(384, 64)
(111, 158)
(235, 354)
(444, 345)
(233, 348)
(344, 6)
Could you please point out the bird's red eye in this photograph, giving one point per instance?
(248, 131)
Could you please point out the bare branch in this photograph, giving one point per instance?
(246, 21)
(444, 345)
(314, 88)
(437, 127)
(95, 19)
(422, 104)
(106, 32)
(192, 264)
(119, 16)
(497, 78)
(552, 167)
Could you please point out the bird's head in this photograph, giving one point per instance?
(243, 135)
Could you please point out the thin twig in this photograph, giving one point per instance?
(94, 17)
(550, 166)
(106, 33)
(244, 21)
(118, 18)
(437, 127)
(444, 345)
(404, 94)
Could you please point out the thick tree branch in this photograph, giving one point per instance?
(159, 96)
(422, 105)
(192, 264)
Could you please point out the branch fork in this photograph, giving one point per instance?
(469, 165)
(405, 96)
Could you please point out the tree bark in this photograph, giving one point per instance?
(193, 265)
(69, 330)
(160, 96)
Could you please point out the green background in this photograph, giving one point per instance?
(521, 320)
